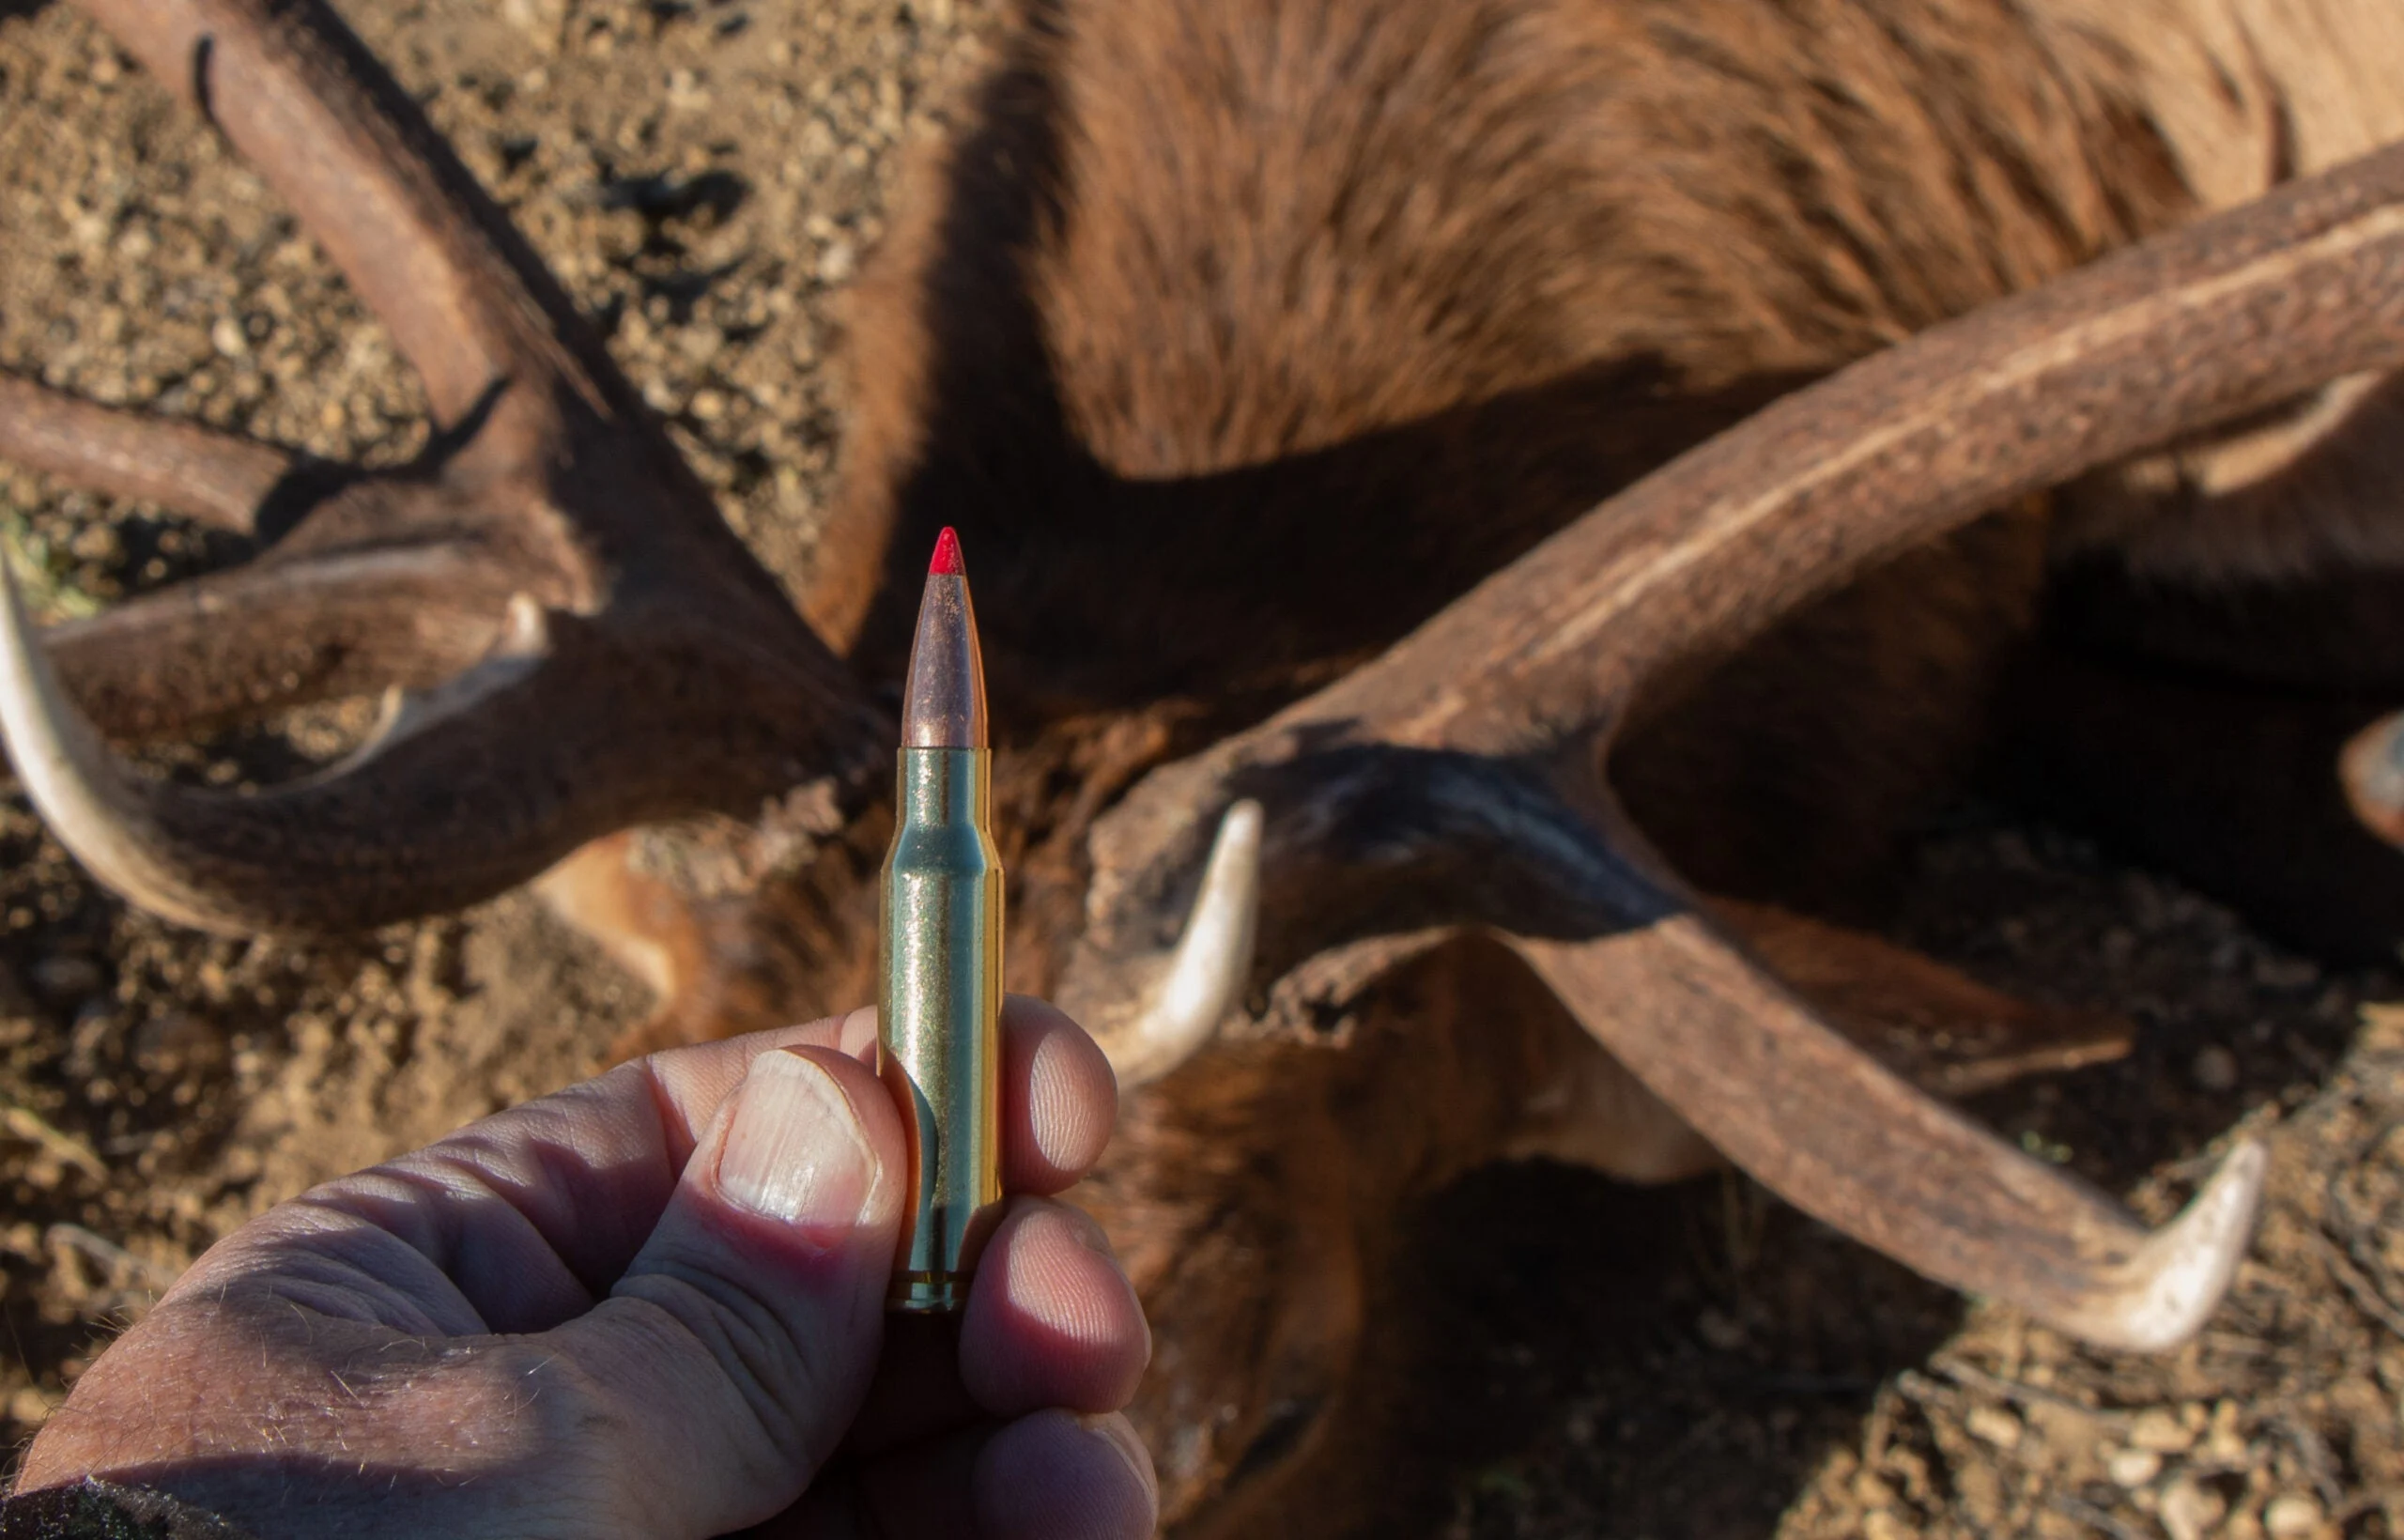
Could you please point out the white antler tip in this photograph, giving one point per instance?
(2178, 1276)
(71, 778)
(1206, 973)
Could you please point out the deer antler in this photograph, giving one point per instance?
(1454, 781)
(579, 624)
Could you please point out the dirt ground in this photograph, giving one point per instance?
(707, 175)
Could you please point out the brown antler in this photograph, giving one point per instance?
(215, 478)
(1454, 781)
(593, 645)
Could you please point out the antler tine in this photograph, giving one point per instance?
(325, 616)
(98, 811)
(1152, 1017)
(1810, 1116)
(308, 106)
(236, 646)
(1451, 738)
(497, 773)
(214, 477)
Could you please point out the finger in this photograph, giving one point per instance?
(1058, 1098)
(1047, 1476)
(519, 1222)
(740, 1342)
(1051, 1476)
(1051, 1320)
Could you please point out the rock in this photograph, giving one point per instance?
(2188, 1510)
(1724, 1332)
(2158, 1428)
(2224, 1444)
(1995, 1426)
(2132, 1467)
(65, 976)
(2291, 1517)
(177, 1040)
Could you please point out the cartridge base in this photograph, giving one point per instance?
(927, 1293)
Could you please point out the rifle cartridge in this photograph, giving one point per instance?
(940, 953)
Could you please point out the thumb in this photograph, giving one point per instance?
(737, 1348)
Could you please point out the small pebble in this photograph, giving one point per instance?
(2188, 1511)
(2287, 973)
(1994, 1424)
(2291, 1515)
(228, 337)
(2132, 1467)
(64, 976)
(2158, 1428)
(1724, 1332)
(2215, 1068)
(2223, 1442)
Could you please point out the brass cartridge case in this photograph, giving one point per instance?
(939, 1016)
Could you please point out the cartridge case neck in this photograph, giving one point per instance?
(945, 786)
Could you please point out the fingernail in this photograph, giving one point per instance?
(795, 1150)
(857, 1037)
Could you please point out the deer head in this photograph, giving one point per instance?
(1341, 947)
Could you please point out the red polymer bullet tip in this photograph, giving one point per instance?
(946, 562)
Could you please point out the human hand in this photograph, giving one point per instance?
(651, 1305)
